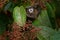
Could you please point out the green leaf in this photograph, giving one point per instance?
(40, 37)
(7, 6)
(45, 33)
(51, 15)
(43, 19)
(55, 36)
(19, 15)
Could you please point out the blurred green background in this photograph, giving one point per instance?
(48, 20)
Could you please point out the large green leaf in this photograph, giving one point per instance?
(51, 14)
(19, 15)
(43, 19)
(45, 33)
(55, 36)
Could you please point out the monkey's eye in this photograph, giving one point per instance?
(30, 10)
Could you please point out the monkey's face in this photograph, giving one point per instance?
(32, 12)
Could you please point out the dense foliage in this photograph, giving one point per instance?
(30, 20)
